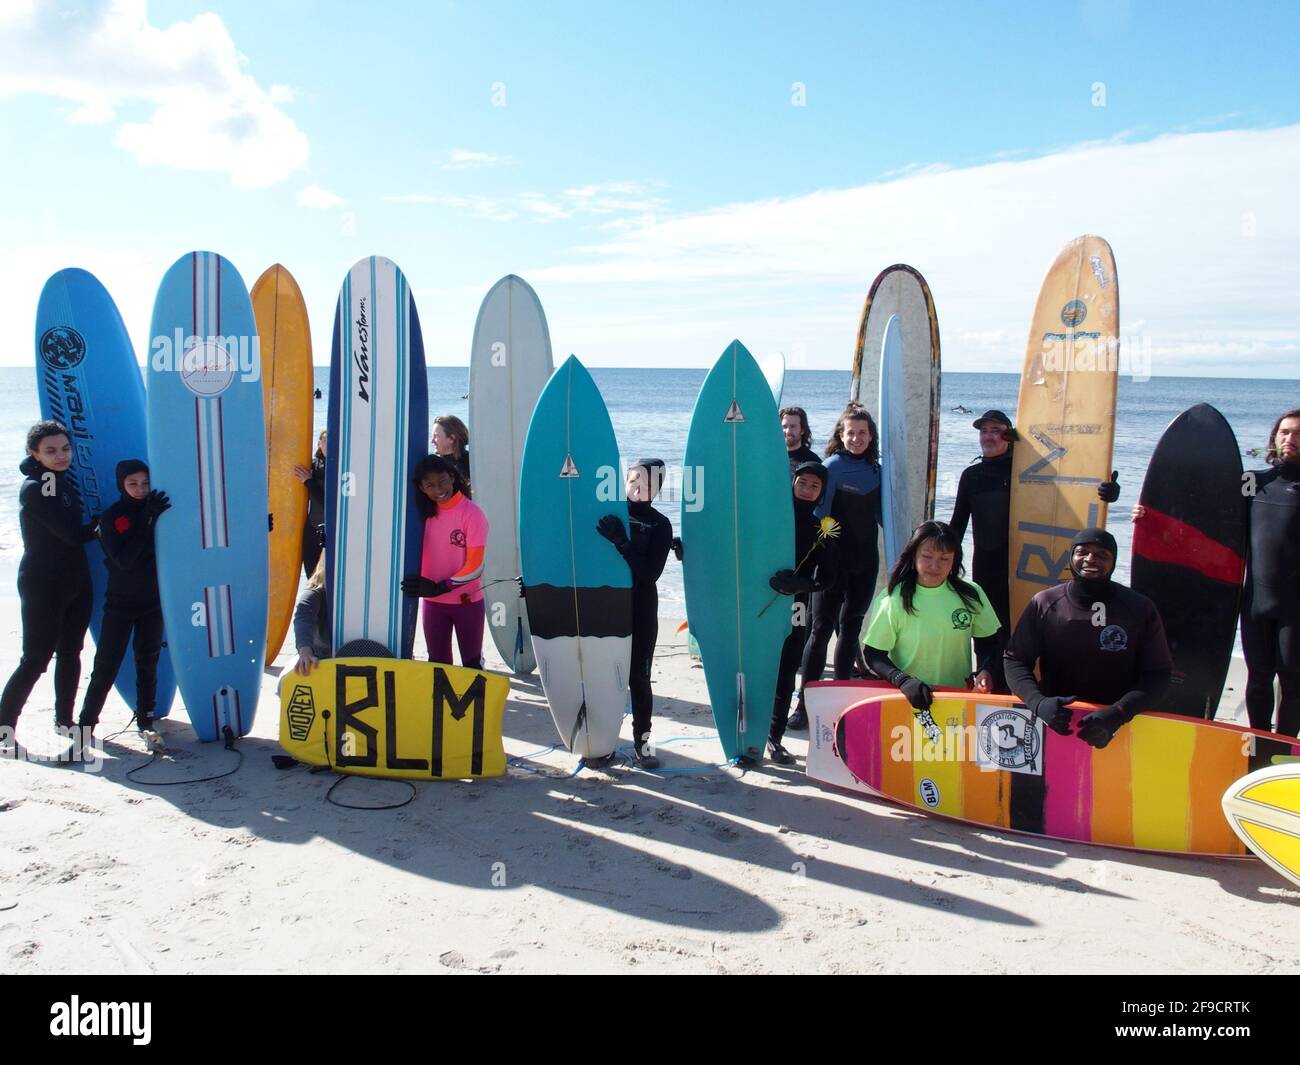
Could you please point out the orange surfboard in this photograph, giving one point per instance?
(287, 392)
(1065, 416)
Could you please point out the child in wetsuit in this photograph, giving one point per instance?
(131, 603)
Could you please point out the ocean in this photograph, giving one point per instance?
(651, 411)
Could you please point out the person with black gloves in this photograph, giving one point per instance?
(645, 551)
(1097, 640)
(984, 499)
(923, 623)
(53, 579)
(814, 547)
(131, 603)
(313, 532)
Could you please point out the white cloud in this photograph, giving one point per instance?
(463, 159)
(101, 56)
(605, 200)
(318, 198)
(1178, 210)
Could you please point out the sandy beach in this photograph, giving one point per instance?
(704, 869)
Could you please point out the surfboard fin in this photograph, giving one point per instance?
(740, 708)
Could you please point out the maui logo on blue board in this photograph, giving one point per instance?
(362, 355)
(62, 347)
(1073, 313)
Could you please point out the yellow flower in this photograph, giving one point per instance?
(830, 528)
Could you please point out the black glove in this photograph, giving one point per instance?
(678, 549)
(156, 503)
(1098, 728)
(612, 530)
(787, 582)
(1051, 708)
(1108, 491)
(423, 587)
(917, 691)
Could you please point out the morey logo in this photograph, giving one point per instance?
(301, 712)
(103, 1018)
(62, 347)
(362, 355)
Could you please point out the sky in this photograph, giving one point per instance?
(671, 176)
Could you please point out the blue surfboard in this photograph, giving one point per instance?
(87, 378)
(738, 533)
(207, 451)
(577, 586)
(378, 431)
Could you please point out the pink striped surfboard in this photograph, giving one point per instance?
(1156, 787)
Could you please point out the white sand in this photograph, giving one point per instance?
(613, 871)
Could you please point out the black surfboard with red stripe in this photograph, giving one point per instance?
(1189, 553)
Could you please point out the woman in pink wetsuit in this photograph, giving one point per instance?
(450, 579)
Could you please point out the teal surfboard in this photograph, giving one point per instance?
(577, 586)
(738, 534)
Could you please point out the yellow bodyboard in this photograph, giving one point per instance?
(390, 717)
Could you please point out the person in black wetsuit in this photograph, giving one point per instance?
(313, 532)
(815, 570)
(853, 499)
(984, 500)
(53, 579)
(1270, 609)
(798, 437)
(1097, 640)
(645, 551)
(131, 603)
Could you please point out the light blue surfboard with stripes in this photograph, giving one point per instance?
(577, 586)
(739, 532)
(207, 451)
(378, 431)
(87, 379)
(895, 488)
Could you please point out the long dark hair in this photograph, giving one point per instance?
(434, 464)
(1270, 452)
(805, 434)
(854, 412)
(904, 573)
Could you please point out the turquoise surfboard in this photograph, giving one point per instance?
(739, 534)
(577, 586)
(207, 451)
(87, 379)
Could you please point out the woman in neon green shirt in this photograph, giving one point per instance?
(923, 623)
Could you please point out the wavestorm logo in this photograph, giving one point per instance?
(119, 1019)
(62, 347)
(208, 364)
(362, 355)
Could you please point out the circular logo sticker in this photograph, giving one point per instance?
(62, 347)
(929, 791)
(207, 369)
(1073, 313)
(1113, 638)
(1007, 739)
(961, 618)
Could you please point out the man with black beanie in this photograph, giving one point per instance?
(1097, 640)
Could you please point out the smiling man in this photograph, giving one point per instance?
(1093, 638)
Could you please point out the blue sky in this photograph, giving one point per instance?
(650, 173)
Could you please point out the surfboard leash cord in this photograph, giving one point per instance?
(229, 738)
(328, 767)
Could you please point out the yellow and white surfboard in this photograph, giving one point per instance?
(1263, 808)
